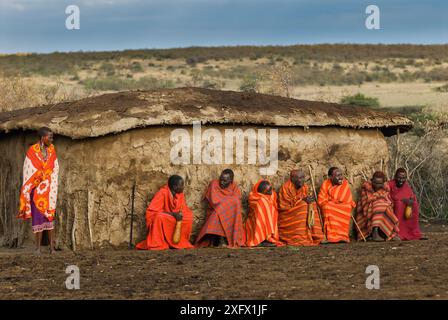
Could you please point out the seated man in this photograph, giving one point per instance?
(261, 223)
(402, 196)
(166, 208)
(336, 202)
(224, 222)
(375, 214)
(294, 200)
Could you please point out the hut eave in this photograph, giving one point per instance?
(117, 112)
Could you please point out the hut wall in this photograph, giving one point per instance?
(97, 175)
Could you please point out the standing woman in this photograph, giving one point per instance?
(40, 187)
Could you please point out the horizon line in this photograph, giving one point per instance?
(229, 46)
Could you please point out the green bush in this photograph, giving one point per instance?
(360, 100)
(443, 88)
(136, 67)
(249, 84)
(107, 68)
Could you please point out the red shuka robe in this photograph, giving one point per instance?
(224, 216)
(161, 225)
(375, 210)
(409, 229)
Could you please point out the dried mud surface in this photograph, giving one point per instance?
(408, 270)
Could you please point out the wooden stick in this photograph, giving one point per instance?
(132, 215)
(315, 195)
(359, 229)
(3, 193)
(89, 209)
(73, 230)
(364, 175)
(398, 149)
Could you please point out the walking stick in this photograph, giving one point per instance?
(359, 229)
(315, 195)
(132, 215)
(310, 215)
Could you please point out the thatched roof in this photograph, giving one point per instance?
(117, 112)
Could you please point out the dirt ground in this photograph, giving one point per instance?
(408, 270)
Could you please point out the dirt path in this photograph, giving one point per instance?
(408, 270)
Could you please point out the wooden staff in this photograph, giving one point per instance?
(315, 195)
(90, 201)
(132, 215)
(353, 218)
(359, 229)
(73, 230)
(364, 175)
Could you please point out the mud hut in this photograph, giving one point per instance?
(108, 143)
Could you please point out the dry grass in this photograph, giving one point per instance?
(18, 93)
(398, 76)
(423, 153)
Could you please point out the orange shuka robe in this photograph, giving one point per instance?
(292, 221)
(161, 226)
(261, 222)
(336, 203)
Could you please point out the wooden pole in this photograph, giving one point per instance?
(359, 229)
(73, 230)
(89, 218)
(132, 215)
(397, 156)
(315, 195)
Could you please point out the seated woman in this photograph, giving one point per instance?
(261, 223)
(166, 208)
(375, 213)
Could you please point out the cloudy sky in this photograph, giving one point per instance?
(39, 25)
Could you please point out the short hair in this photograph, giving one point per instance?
(229, 172)
(294, 172)
(263, 185)
(43, 131)
(401, 170)
(174, 180)
(331, 170)
(379, 175)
